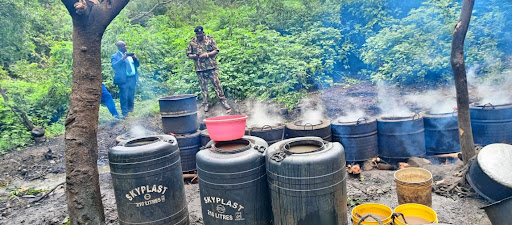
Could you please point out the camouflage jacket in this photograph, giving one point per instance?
(207, 45)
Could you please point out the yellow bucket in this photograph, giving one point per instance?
(380, 211)
(415, 214)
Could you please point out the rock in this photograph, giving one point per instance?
(40, 139)
(418, 162)
(368, 165)
(48, 155)
(402, 165)
(385, 166)
(37, 132)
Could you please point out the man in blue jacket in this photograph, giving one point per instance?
(126, 76)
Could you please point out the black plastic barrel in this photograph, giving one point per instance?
(205, 137)
(178, 103)
(147, 180)
(499, 212)
(232, 182)
(313, 128)
(271, 134)
(359, 138)
(179, 114)
(189, 145)
(401, 137)
(491, 123)
(441, 133)
(489, 174)
(307, 181)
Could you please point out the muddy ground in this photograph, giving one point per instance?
(42, 167)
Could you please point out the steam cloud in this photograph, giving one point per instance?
(313, 111)
(388, 101)
(353, 111)
(494, 88)
(438, 101)
(260, 114)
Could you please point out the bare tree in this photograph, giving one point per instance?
(461, 83)
(90, 19)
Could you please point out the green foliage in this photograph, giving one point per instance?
(269, 49)
(417, 48)
(25, 191)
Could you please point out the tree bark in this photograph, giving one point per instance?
(82, 179)
(461, 84)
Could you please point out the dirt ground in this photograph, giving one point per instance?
(42, 167)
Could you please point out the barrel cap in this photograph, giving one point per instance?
(496, 161)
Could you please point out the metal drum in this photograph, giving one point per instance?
(189, 145)
(147, 180)
(307, 181)
(490, 174)
(232, 182)
(314, 128)
(491, 123)
(359, 138)
(271, 134)
(179, 114)
(401, 137)
(441, 133)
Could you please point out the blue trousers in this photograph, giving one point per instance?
(127, 95)
(106, 99)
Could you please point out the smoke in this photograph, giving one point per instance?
(139, 131)
(261, 114)
(389, 101)
(352, 116)
(437, 101)
(492, 88)
(353, 111)
(312, 111)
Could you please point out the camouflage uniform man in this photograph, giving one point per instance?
(203, 50)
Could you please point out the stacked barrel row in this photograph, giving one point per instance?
(179, 118)
(247, 182)
(397, 138)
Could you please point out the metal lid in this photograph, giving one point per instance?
(308, 122)
(176, 97)
(495, 160)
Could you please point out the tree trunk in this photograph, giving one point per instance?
(461, 84)
(82, 179)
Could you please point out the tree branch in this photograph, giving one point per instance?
(70, 5)
(18, 111)
(144, 14)
(112, 8)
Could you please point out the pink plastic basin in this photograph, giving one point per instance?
(226, 128)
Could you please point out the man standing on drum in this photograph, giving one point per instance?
(203, 50)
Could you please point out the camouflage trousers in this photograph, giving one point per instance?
(213, 75)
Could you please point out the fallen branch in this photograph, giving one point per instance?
(47, 193)
(459, 186)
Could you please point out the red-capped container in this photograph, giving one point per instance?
(226, 128)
